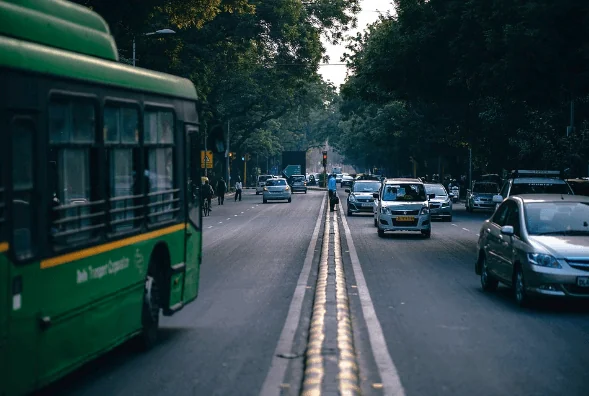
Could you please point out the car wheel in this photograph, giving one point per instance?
(257, 193)
(375, 223)
(427, 233)
(305, 191)
(289, 200)
(349, 212)
(449, 219)
(522, 297)
(380, 233)
(488, 283)
(264, 201)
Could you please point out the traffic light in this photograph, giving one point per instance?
(325, 158)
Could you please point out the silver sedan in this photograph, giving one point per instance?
(276, 189)
(538, 245)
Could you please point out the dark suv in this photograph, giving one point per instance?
(298, 183)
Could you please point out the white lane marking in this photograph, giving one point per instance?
(228, 218)
(236, 215)
(275, 376)
(454, 225)
(220, 222)
(241, 213)
(465, 229)
(210, 227)
(478, 235)
(389, 375)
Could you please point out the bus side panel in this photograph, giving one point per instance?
(93, 304)
(193, 260)
(175, 244)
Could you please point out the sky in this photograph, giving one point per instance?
(335, 73)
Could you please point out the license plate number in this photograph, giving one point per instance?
(583, 281)
(367, 205)
(405, 218)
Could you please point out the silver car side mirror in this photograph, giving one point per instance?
(507, 230)
(497, 198)
(375, 195)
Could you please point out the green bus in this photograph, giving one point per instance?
(100, 222)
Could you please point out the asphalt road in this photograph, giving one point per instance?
(447, 337)
(444, 335)
(223, 343)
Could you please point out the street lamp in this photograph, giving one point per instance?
(161, 31)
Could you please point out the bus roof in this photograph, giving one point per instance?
(59, 38)
(59, 24)
(21, 55)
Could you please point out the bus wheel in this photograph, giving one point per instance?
(150, 315)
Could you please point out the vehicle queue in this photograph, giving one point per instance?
(536, 240)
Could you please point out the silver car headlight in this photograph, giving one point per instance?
(424, 210)
(543, 260)
(385, 210)
(445, 204)
(352, 198)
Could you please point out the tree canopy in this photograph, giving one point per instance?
(441, 76)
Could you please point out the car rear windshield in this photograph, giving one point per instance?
(366, 187)
(485, 188)
(298, 178)
(540, 188)
(404, 192)
(557, 218)
(276, 182)
(438, 190)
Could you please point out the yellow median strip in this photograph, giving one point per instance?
(314, 369)
(348, 376)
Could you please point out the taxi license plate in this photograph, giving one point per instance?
(405, 218)
(367, 205)
(583, 281)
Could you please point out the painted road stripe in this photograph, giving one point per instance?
(389, 375)
(278, 367)
(465, 229)
(348, 376)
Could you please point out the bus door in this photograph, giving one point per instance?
(193, 250)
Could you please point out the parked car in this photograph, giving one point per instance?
(440, 206)
(347, 180)
(261, 182)
(403, 205)
(276, 189)
(481, 196)
(360, 196)
(538, 245)
(298, 183)
(338, 177)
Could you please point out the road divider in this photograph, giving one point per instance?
(331, 299)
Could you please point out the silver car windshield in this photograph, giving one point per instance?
(404, 192)
(440, 191)
(557, 218)
(485, 188)
(366, 187)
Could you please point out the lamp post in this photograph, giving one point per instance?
(161, 31)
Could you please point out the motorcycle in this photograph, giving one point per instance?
(454, 193)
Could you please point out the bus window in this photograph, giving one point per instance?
(76, 216)
(22, 187)
(159, 165)
(121, 138)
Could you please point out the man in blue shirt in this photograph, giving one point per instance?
(332, 191)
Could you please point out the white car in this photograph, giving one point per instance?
(276, 189)
(261, 182)
(403, 205)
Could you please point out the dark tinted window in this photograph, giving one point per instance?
(367, 187)
(276, 182)
(485, 188)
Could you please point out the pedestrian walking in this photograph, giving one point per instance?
(238, 187)
(221, 189)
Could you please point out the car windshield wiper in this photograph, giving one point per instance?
(550, 233)
(577, 232)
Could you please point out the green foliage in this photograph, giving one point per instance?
(496, 76)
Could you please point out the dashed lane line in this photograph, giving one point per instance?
(275, 376)
(465, 229)
(391, 382)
